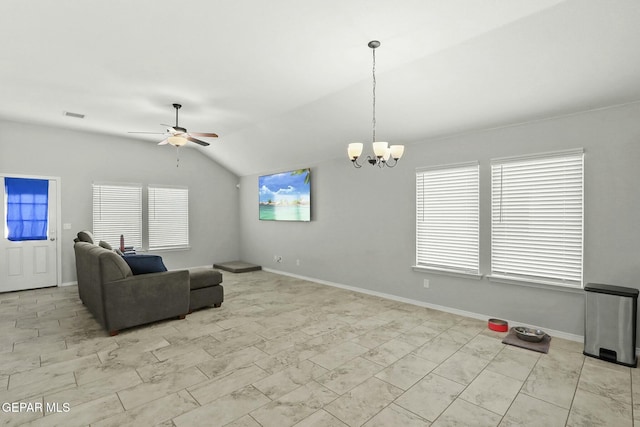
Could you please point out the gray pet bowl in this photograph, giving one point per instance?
(528, 334)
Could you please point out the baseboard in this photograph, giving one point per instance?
(480, 316)
(69, 283)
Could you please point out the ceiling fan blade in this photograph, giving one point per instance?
(164, 142)
(197, 141)
(205, 134)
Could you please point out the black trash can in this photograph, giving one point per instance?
(610, 323)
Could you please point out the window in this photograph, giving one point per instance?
(27, 209)
(117, 210)
(447, 218)
(168, 217)
(537, 218)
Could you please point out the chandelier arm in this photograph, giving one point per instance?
(355, 163)
(392, 165)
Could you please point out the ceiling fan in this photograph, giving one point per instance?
(179, 136)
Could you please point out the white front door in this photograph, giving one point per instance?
(30, 264)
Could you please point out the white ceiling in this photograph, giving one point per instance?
(287, 83)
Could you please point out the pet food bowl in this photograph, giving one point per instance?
(498, 325)
(528, 334)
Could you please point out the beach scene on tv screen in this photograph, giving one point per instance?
(285, 196)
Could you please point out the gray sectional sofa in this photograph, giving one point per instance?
(118, 299)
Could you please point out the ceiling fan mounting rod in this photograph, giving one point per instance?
(177, 107)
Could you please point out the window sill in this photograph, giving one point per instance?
(422, 269)
(170, 249)
(540, 284)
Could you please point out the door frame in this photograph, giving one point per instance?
(58, 225)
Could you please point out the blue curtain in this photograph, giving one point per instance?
(27, 208)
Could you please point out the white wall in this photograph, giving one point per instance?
(82, 158)
(363, 228)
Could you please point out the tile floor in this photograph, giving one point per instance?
(282, 352)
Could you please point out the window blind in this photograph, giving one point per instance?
(168, 217)
(117, 210)
(537, 217)
(447, 218)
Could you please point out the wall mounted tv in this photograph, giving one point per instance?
(285, 196)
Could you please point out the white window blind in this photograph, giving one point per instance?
(168, 217)
(117, 210)
(447, 218)
(537, 218)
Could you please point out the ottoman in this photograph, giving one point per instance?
(205, 288)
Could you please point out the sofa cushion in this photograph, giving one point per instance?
(202, 277)
(86, 236)
(143, 264)
(105, 245)
(112, 266)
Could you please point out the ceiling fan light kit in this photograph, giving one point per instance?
(381, 150)
(177, 141)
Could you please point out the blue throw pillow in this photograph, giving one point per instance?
(143, 264)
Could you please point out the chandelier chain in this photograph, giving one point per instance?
(374, 95)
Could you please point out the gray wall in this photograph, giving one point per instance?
(363, 228)
(81, 158)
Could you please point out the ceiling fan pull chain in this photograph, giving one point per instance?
(177, 156)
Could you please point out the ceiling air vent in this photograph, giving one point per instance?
(76, 115)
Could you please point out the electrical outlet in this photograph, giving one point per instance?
(425, 283)
(298, 262)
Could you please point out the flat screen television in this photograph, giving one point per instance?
(285, 196)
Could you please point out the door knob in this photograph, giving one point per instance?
(52, 239)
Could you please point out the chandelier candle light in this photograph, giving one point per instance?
(381, 150)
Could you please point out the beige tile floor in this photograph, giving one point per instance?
(282, 352)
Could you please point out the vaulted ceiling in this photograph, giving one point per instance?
(287, 83)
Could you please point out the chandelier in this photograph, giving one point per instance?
(383, 154)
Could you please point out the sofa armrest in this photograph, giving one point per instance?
(145, 298)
